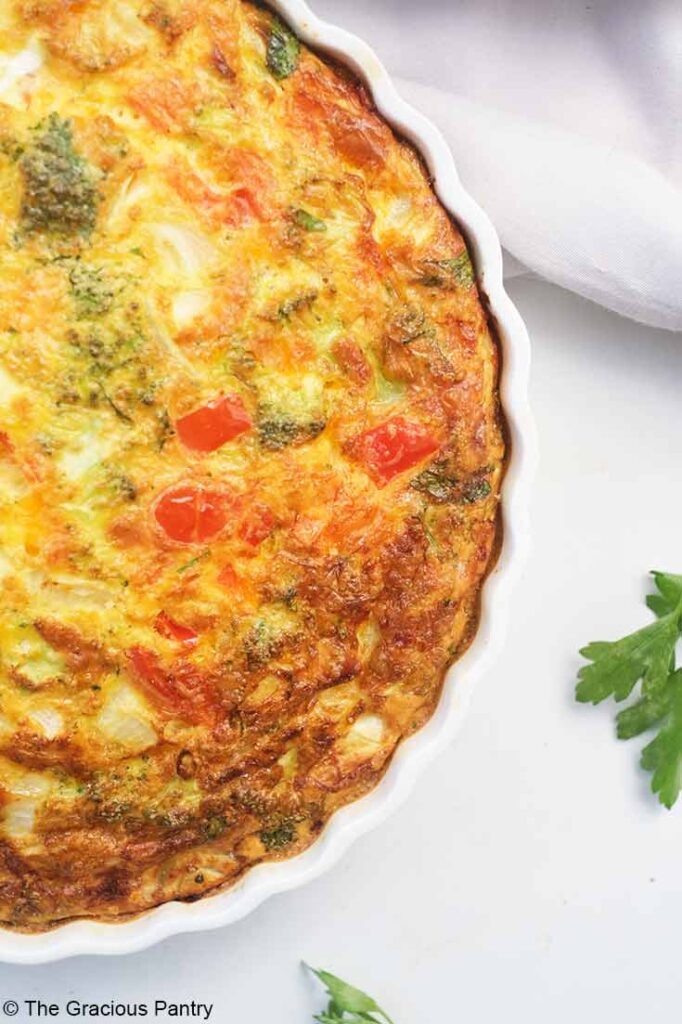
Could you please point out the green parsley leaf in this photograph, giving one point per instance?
(663, 756)
(283, 50)
(639, 717)
(92, 293)
(617, 666)
(334, 1018)
(348, 1004)
(646, 656)
(669, 596)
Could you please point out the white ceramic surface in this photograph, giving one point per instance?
(83, 937)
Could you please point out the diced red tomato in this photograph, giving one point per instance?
(357, 137)
(220, 63)
(214, 424)
(172, 630)
(184, 692)
(257, 525)
(167, 102)
(392, 447)
(227, 577)
(147, 667)
(237, 188)
(191, 514)
(28, 464)
(307, 529)
(235, 207)
(247, 166)
(243, 207)
(193, 189)
(239, 587)
(252, 185)
(222, 21)
(352, 360)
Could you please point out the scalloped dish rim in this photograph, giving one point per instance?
(235, 902)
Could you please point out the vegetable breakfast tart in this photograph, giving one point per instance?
(250, 449)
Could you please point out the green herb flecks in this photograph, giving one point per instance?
(123, 485)
(193, 561)
(347, 1004)
(287, 309)
(308, 221)
(106, 346)
(117, 409)
(60, 197)
(10, 148)
(165, 428)
(262, 642)
(283, 50)
(91, 291)
(646, 657)
(448, 273)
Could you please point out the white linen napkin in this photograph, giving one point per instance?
(564, 120)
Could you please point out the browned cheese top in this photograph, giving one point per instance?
(250, 449)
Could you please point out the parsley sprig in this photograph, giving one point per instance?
(348, 1005)
(646, 657)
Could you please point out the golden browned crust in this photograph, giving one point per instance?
(250, 451)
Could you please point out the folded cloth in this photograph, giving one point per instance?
(564, 123)
(586, 216)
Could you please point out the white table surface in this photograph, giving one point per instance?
(530, 876)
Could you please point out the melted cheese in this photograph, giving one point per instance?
(250, 450)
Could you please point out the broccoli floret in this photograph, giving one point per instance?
(475, 490)
(279, 837)
(262, 642)
(283, 50)
(409, 325)
(10, 148)
(215, 826)
(122, 485)
(60, 197)
(448, 273)
(279, 430)
(165, 428)
(439, 484)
